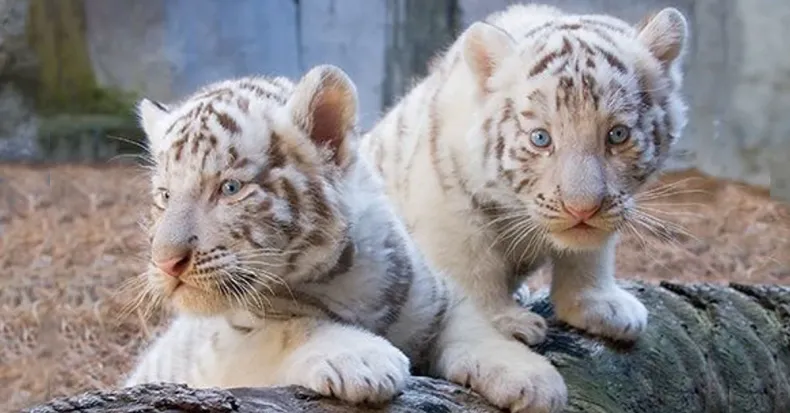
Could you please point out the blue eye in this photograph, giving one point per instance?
(230, 187)
(540, 138)
(618, 135)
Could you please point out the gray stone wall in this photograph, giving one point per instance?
(18, 125)
(166, 49)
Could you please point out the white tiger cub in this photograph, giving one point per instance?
(276, 243)
(527, 143)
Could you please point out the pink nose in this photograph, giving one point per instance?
(582, 213)
(175, 266)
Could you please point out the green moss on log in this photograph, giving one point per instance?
(707, 348)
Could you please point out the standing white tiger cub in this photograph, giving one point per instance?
(527, 143)
(276, 243)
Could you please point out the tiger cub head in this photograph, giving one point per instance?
(247, 188)
(579, 112)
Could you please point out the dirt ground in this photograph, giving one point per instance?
(69, 238)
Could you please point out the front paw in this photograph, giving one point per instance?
(614, 313)
(507, 375)
(521, 324)
(366, 373)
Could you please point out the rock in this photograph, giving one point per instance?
(13, 47)
(18, 123)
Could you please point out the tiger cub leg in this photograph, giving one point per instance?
(471, 352)
(332, 359)
(511, 319)
(348, 363)
(586, 296)
(170, 357)
(486, 282)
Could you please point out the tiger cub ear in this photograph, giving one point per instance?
(324, 106)
(485, 46)
(665, 34)
(151, 114)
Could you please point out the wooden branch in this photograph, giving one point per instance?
(423, 395)
(707, 349)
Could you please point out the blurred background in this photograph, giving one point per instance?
(71, 193)
(70, 69)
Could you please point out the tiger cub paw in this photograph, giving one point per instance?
(508, 375)
(371, 371)
(613, 313)
(521, 324)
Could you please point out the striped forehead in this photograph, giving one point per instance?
(213, 134)
(603, 26)
(584, 67)
(574, 50)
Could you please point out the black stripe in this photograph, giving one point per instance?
(400, 274)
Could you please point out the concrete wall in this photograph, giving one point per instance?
(738, 68)
(166, 49)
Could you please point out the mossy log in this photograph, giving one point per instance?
(707, 349)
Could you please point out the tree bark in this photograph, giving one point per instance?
(417, 31)
(707, 349)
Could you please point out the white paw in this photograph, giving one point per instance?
(521, 324)
(508, 375)
(370, 373)
(613, 313)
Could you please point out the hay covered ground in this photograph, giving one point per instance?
(69, 238)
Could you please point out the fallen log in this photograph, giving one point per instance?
(707, 349)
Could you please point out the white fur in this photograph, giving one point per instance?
(334, 360)
(283, 343)
(460, 242)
